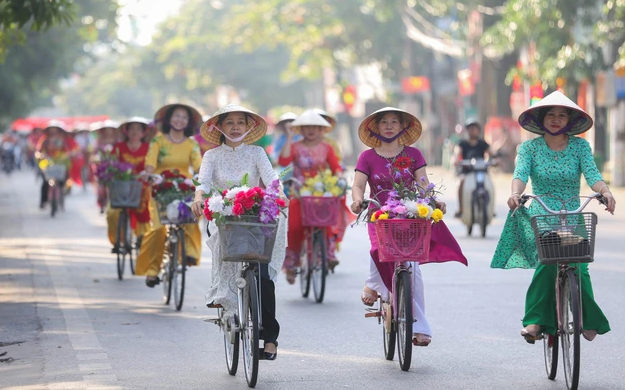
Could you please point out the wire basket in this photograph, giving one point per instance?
(246, 238)
(170, 211)
(319, 211)
(56, 172)
(125, 193)
(403, 239)
(565, 238)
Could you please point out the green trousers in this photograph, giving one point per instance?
(541, 301)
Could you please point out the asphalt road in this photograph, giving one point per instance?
(66, 322)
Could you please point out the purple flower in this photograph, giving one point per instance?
(377, 177)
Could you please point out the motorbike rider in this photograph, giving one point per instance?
(472, 147)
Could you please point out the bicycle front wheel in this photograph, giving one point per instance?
(167, 270)
(551, 354)
(180, 268)
(54, 199)
(483, 215)
(389, 330)
(319, 268)
(570, 322)
(404, 322)
(120, 243)
(250, 328)
(304, 271)
(231, 341)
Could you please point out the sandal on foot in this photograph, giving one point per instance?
(367, 296)
(332, 263)
(421, 340)
(214, 305)
(531, 337)
(291, 276)
(589, 335)
(152, 282)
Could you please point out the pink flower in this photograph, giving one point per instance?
(399, 210)
(238, 209)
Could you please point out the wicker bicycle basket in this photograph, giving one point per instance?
(565, 238)
(168, 211)
(403, 239)
(319, 211)
(246, 238)
(56, 172)
(125, 193)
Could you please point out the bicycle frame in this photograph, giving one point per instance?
(254, 267)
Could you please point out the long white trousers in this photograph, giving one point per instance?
(375, 282)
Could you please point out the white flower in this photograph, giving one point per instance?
(411, 206)
(172, 211)
(230, 195)
(319, 186)
(430, 211)
(189, 182)
(305, 193)
(228, 210)
(216, 203)
(328, 194)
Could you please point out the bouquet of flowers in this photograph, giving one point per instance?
(109, 168)
(408, 199)
(324, 184)
(174, 193)
(241, 200)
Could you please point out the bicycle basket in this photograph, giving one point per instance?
(246, 238)
(56, 172)
(170, 211)
(565, 238)
(319, 211)
(403, 239)
(125, 193)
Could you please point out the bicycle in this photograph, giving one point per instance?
(480, 205)
(55, 175)
(565, 238)
(401, 241)
(124, 195)
(318, 214)
(247, 241)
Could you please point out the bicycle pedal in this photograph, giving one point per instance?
(215, 320)
(373, 315)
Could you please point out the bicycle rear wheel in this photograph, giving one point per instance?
(120, 243)
(180, 268)
(570, 322)
(551, 354)
(404, 323)
(319, 269)
(250, 328)
(389, 330)
(231, 342)
(483, 215)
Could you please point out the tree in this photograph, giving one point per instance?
(31, 72)
(40, 15)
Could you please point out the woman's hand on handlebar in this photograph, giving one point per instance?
(609, 201)
(196, 208)
(513, 202)
(356, 206)
(441, 206)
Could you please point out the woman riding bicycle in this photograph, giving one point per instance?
(171, 149)
(389, 132)
(132, 151)
(57, 146)
(308, 156)
(554, 162)
(106, 138)
(235, 128)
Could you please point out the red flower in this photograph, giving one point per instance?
(208, 214)
(251, 193)
(240, 196)
(280, 202)
(183, 187)
(167, 185)
(192, 188)
(248, 203)
(259, 191)
(167, 174)
(224, 193)
(238, 209)
(378, 213)
(403, 163)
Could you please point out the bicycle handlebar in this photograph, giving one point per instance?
(525, 197)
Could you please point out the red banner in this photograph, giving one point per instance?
(28, 124)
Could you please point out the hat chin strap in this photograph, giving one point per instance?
(235, 140)
(387, 139)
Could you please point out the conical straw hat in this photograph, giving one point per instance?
(159, 117)
(288, 116)
(579, 120)
(56, 123)
(104, 124)
(310, 118)
(369, 127)
(256, 124)
(328, 117)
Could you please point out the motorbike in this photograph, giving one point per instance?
(7, 157)
(478, 195)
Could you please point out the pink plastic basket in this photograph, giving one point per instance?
(319, 211)
(403, 239)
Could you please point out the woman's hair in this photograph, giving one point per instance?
(189, 130)
(143, 126)
(380, 115)
(543, 111)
